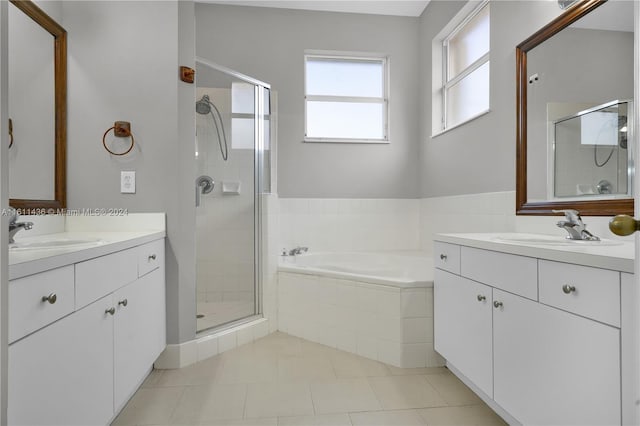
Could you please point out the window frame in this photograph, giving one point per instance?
(441, 42)
(384, 100)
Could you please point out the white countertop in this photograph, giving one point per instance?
(114, 232)
(619, 256)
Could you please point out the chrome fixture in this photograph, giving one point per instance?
(568, 288)
(575, 226)
(15, 226)
(565, 4)
(204, 185)
(204, 106)
(298, 250)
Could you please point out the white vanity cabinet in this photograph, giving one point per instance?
(543, 346)
(463, 314)
(81, 369)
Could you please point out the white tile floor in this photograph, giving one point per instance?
(283, 380)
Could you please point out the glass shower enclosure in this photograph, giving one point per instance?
(232, 162)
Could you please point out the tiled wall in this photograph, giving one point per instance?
(383, 323)
(349, 224)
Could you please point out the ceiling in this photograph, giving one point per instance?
(376, 7)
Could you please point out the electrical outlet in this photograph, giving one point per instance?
(128, 182)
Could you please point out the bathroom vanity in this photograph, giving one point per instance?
(540, 329)
(85, 325)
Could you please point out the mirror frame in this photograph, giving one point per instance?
(59, 34)
(544, 208)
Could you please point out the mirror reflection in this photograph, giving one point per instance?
(580, 83)
(37, 71)
(31, 108)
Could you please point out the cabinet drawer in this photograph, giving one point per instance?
(447, 256)
(150, 257)
(98, 277)
(29, 312)
(509, 272)
(590, 292)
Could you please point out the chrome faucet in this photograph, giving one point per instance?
(298, 250)
(575, 226)
(15, 226)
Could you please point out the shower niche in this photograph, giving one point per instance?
(232, 155)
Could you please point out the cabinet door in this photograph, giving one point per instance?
(63, 374)
(139, 332)
(552, 367)
(462, 327)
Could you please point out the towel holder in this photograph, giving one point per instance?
(121, 129)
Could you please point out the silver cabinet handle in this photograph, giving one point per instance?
(568, 289)
(152, 257)
(110, 311)
(481, 298)
(50, 298)
(443, 257)
(497, 304)
(123, 302)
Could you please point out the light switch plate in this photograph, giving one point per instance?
(127, 182)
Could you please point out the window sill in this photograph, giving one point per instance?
(442, 132)
(346, 141)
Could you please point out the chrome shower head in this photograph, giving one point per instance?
(203, 106)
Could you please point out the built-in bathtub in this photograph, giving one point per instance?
(377, 305)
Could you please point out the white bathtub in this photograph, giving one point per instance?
(397, 269)
(378, 305)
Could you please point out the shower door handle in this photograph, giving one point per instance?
(204, 185)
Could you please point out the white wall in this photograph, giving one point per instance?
(123, 59)
(4, 203)
(269, 44)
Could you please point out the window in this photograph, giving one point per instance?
(461, 75)
(345, 99)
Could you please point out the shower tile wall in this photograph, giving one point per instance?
(349, 224)
(224, 223)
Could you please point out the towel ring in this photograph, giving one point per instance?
(10, 133)
(121, 129)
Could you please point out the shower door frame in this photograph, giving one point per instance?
(258, 172)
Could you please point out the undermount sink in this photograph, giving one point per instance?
(550, 240)
(57, 243)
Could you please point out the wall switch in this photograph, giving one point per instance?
(127, 182)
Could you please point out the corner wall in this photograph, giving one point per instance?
(479, 156)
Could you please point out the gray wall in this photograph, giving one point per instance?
(123, 59)
(269, 44)
(478, 156)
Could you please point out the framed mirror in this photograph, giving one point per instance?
(574, 111)
(37, 108)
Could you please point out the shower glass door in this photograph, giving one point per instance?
(230, 147)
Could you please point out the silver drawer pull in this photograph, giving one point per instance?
(481, 298)
(497, 304)
(110, 311)
(443, 257)
(50, 298)
(568, 289)
(152, 257)
(123, 302)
